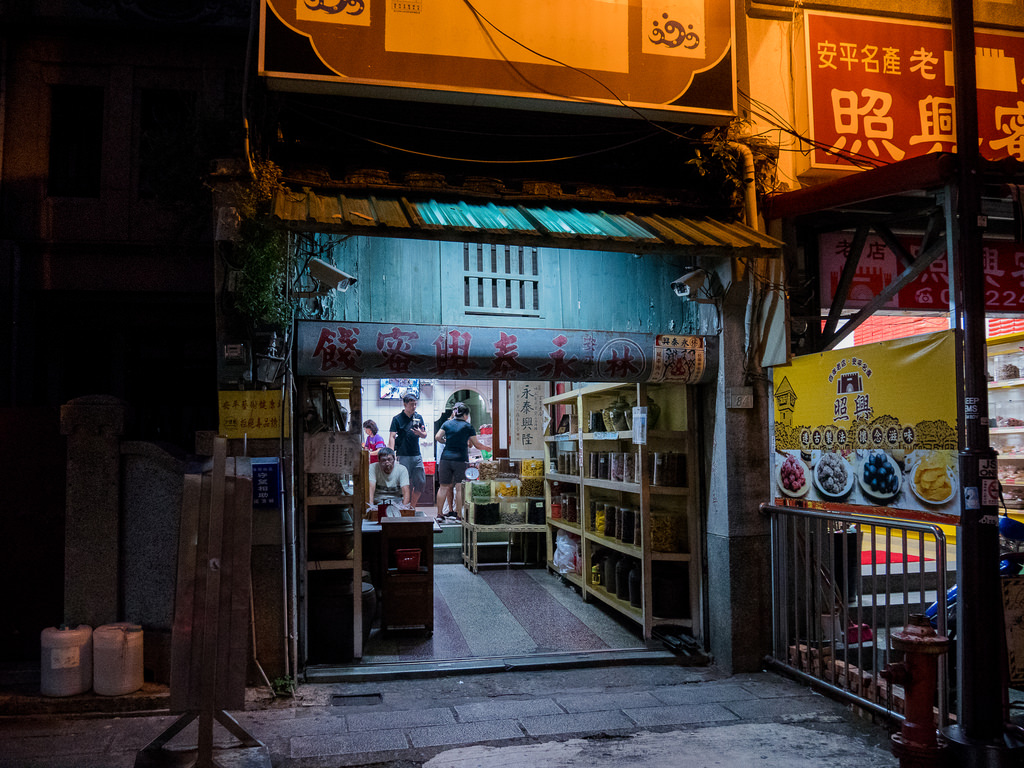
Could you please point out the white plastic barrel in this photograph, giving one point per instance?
(65, 660)
(117, 659)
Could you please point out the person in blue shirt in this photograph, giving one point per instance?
(456, 434)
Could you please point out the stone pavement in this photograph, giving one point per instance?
(622, 716)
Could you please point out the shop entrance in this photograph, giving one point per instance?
(494, 596)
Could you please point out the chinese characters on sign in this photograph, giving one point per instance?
(882, 89)
(384, 350)
(332, 452)
(266, 483)
(870, 426)
(527, 419)
(253, 414)
(648, 53)
(1002, 261)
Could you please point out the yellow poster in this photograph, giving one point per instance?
(870, 426)
(253, 414)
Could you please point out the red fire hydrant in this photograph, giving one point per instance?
(918, 745)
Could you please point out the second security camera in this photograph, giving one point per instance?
(330, 276)
(687, 286)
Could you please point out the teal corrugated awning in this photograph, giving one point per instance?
(516, 224)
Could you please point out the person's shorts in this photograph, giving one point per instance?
(417, 475)
(450, 472)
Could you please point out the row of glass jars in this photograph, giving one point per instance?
(616, 521)
(664, 468)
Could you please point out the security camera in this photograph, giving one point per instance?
(330, 276)
(687, 286)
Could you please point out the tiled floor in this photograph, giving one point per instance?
(504, 611)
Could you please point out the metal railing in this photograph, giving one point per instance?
(840, 585)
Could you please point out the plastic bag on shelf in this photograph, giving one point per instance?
(567, 553)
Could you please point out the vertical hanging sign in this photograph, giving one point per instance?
(527, 419)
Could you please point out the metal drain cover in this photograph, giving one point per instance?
(362, 699)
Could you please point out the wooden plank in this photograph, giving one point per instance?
(240, 555)
(232, 647)
(200, 573)
(211, 613)
(184, 598)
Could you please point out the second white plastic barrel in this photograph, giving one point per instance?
(117, 659)
(65, 661)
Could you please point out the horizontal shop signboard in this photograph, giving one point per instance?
(581, 56)
(1003, 262)
(882, 89)
(379, 350)
(872, 426)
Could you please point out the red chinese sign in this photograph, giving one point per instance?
(1002, 261)
(376, 350)
(881, 90)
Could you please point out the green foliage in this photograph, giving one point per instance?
(263, 255)
(284, 686)
(720, 169)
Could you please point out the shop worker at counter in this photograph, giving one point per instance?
(407, 428)
(389, 480)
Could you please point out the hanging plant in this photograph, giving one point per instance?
(720, 168)
(260, 293)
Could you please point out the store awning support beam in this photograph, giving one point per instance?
(860, 238)
(920, 264)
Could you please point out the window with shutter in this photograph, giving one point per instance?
(501, 280)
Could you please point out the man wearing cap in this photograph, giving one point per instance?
(407, 428)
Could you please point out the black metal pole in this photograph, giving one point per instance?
(978, 738)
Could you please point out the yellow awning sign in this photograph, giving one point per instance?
(870, 426)
(253, 414)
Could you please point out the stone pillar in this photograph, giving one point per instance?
(738, 468)
(93, 425)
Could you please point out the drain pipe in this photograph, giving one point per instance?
(749, 186)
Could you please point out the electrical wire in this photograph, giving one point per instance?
(481, 20)
(452, 158)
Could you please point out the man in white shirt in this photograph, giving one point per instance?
(389, 480)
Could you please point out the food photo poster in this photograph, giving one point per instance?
(870, 426)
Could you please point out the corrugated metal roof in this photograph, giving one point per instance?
(539, 225)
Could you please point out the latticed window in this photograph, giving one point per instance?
(501, 280)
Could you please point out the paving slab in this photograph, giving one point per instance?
(466, 733)
(582, 722)
(681, 713)
(347, 743)
(507, 708)
(598, 701)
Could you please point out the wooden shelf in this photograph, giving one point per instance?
(573, 578)
(1006, 430)
(320, 501)
(628, 435)
(330, 565)
(567, 526)
(671, 557)
(632, 550)
(589, 389)
(678, 410)
(623, 606)
(612, 485)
